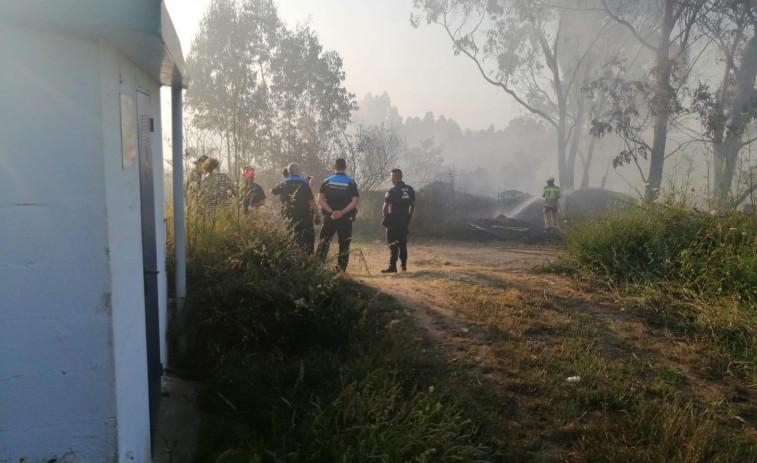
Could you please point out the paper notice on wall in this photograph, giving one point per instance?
(128, 130)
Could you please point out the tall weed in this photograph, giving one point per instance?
(715, 256)
(307, 366)
(695, 274)
(721, 259)
(639, 245)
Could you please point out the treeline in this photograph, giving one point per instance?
(663, 78)
(639, 87)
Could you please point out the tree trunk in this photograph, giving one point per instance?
(736, 118)
(564, 171)
(661, 105)
(720, 190)
(587, 164)
(578, 130)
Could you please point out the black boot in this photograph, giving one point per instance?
(391, 269)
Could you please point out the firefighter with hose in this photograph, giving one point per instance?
(551, 195)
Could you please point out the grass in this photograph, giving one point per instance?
(310, 366)
(307, 365)
(633, 402)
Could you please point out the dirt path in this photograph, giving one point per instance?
(432, 265)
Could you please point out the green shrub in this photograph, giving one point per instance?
(701, 251)
(722, 259)
(249, 285)
(306, 365)
(695, 274)
(317, 411)
(639, 245)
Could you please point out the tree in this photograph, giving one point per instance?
(270, 94)
(664, 28)
(377, 110)
(314, 108)
(229, 64)
(727, 111)
(425, 162)
(374, 150)
(518, 46)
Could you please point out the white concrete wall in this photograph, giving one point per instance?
(56, 373)
(118, 76)
(73, 376)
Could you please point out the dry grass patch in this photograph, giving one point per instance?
(633, 402)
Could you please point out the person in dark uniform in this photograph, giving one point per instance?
(297, 204)
(250, 193)
(338, 198)
(399, 205)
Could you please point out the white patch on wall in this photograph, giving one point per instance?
(128, 130)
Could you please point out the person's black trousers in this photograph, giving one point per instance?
(343, 229)
(396, 237)
(304, 235)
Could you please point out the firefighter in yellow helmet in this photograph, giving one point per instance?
(551, 195)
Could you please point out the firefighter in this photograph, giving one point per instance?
(551, 195)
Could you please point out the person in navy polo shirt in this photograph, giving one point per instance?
(338, 198)
(297, 204)
(399, 205)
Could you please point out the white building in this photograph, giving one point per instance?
(83, 288)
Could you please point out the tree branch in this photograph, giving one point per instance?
(491, 81)
(629, 26)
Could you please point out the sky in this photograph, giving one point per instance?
(381, 52)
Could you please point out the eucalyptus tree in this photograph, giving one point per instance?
(536, 52)
(313, 108)
(229, 65)
(728, 110)
(666, 29)
(272, 95)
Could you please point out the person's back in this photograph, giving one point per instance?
(551, 195)
(338, 190)
(217, 188)
(295, 192)
(297, 203)
(338, 198)
(194, 179)
(400, 197)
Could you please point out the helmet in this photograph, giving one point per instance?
(551, 180)
(249, 171)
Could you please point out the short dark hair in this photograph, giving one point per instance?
(211, 165)
(340, 164)
(397, 171)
